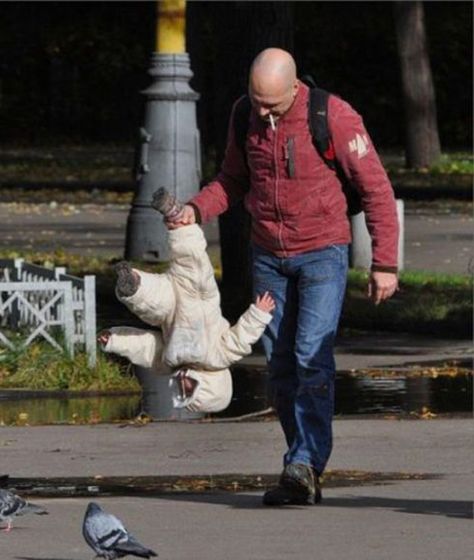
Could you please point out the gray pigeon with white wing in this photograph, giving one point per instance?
(12, 506)
(107, 536)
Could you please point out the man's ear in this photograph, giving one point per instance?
(296, 87)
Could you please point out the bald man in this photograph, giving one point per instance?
(300, 236)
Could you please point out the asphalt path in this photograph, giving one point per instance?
(424, 517)
(429, 517)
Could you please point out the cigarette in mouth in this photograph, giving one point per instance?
(272, 121)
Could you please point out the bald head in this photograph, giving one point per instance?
(272, 83)
(273, 69)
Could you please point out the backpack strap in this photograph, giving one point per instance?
(318, 125)
(319, 129)
(241, 123)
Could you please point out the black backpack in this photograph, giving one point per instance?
(318, 126)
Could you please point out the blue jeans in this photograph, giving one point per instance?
(308, 290)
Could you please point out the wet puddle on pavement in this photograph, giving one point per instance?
(364, 394)
(355, 394)
(40, 410)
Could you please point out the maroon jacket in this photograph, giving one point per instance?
(308, 211)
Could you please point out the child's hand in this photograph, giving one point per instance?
(103, 337)
(265, 302)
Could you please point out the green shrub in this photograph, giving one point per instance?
(40, 366)
(453, 163)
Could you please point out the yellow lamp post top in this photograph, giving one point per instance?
(171, 26)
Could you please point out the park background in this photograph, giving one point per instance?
(71, 105)
(399, 484)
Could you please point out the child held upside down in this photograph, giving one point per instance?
(193, 339)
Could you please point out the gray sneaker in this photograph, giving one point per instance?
(127, 281)
(299, 485)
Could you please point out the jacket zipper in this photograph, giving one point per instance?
(275, 162)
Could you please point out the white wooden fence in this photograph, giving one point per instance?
(43, 302)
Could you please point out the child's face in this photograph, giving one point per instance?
(186, 384)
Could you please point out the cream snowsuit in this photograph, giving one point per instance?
(184, 302)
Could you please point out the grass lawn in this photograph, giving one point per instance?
(427, 303)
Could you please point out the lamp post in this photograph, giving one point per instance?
(168, 153)
(169, 156)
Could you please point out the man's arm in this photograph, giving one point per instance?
(361, 164)
(226, 189)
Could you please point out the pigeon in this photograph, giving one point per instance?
(12, 505)
(107, 536)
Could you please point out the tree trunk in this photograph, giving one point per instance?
(422, 139)
(242, 30)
